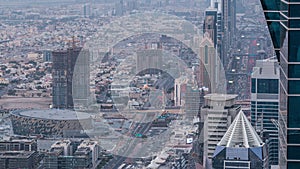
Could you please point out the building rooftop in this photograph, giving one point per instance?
(16, 154)
(241, 134)
(53, 114)
(220, 97)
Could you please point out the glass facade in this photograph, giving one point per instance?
(272, 15)
(269, 86)
(289, 117)
(265, 105)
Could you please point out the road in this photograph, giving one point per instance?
(130, 147)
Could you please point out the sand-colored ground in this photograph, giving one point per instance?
(25, 103)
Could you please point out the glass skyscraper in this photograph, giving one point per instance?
(264, 104)
(283, 19)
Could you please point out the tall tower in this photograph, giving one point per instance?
(265, 104)
(62, 74)
(217, 114)
(209, 65)
(228, 28)
(282, 20)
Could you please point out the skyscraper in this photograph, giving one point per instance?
(209, 65)
(192, 102)
(210, 24)
(228, 28)
(240, 147)
(265, 104)
(283, 23)
(217, 114)
(62, 74)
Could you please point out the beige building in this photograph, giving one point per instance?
(217, 114)
(209, 64)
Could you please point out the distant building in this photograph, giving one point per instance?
(192, 103)
(149, 61)
(217, 114)
(132, 5)
(179, 90)
(228, 28)
(240, 147)
(63, 69)
(86, 10)
(210, 24)
(265, 104)
(47, 56)
(209, 65)
(18, 159)
(119, 8)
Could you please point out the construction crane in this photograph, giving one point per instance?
(72, 42)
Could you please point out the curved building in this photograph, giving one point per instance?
(51, 122)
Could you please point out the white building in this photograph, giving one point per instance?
(65, 145)
(217, 114)
(94, 147)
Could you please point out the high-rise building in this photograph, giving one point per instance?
(119, 8)
(180, 90)
(217, 114)
(81, 81)
(240, 147)
(47, 56)
(86, 10)
(63, 69)
(209, 65)
(213, 24)
(228, 28)
(192, 102)
(282, 19)
(210, 24)
(265, 104)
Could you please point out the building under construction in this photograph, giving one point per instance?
(70, 73)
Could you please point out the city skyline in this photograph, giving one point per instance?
(152, 83)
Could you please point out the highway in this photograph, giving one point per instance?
(130, 147)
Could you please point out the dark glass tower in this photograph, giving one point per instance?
(265, 104)
(283, 19)
(62, 75)
(70, 74)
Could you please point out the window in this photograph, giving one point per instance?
(267, 86)
(293, 109)
(294, 46)
(253, 85)
(206, 54)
